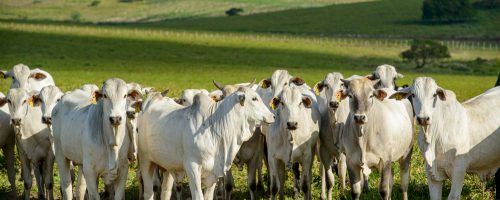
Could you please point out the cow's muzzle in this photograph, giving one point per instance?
(333, 105)
(360, 118)
(115, 121)
(292, 125)
(423, 120)
(47, 120)
(131, 114)
(16, 122)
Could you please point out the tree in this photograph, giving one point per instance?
(423, 52)
(447, 11)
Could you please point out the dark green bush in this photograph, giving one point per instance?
(423, 52)
(447, 11)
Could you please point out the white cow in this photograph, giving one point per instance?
(455, 137)
(33, 138)
(269, 89)
(387, 75)
(251, 152)
(200, 140)
(293, 137)
(31, 80)
(377, 132)
(7, 142)
(95, 137)
(334, 112)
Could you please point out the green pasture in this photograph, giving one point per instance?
(76, 54)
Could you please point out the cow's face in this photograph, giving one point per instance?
(49, 96)
(387, 75)
(425, 95)
(114, 100)
(187, 96)
(362, 94)
(20, 101)
(134, 100)
(333, 88)
(279, 80)
(254, 107)
(20, 74)
(290, 106)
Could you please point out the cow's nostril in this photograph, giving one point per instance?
(334, 104)
(16, 121)
(115, 120)
(47, 120)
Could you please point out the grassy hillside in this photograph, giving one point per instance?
(143, 10)
(385, 18)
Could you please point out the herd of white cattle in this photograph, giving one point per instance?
(352, 124)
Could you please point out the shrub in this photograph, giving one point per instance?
(233, 11)
(447, 11)
(94, 3)
(75, 16)
(423, 52)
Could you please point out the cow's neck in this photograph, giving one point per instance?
(228, 124)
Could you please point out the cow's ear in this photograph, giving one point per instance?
(266, 83)
(371, 77)
(165, 92)
(38, 76)
(147, 90)
(241, 98)
(179, 101)
(307, 102)
(319, 87)
(380, 94)
(134, 94)
(275, 102)
(3, 101)
(401, 94)
(96, 96)
(216, 98)
(298, 81)
(137, 106)
(34, 100)
(441, 94)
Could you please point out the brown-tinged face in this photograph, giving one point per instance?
(362, 94)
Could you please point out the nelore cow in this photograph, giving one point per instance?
(93, 136)
(378, 131)
(455, 137)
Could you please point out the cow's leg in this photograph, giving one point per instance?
(81, 185)
(210, 190)
(92, 181)
(435, 187)
(273, 175)
(27, 178)
(342, 170)
(140, 183)
(457, 181)
(355, 178)
(296, 179)
(386, 180)
(48, 175)
(8, 152)
(178, 185)
(252, 168)
(228, 185)
(38, 169)
(147, 172)
(120, 183)
(281, 174)
(193, 171)
(327, 178)
(65, 176)
(157, 181)
(404, 173)
(167, 184)
(307, 176)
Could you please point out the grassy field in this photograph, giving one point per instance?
(75, 55)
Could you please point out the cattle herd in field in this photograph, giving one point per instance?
(352, 124)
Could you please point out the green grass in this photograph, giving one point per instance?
(144, 10)
(76, 55)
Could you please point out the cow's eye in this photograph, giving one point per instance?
(254, 99)
(58, 100)
(326, 86)
(413, 95)
(350, 96)
(371, 96)
(434, 95)
(24, 101)
(286, 83)
(125, 96)
(8, 101)
(105, 96)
